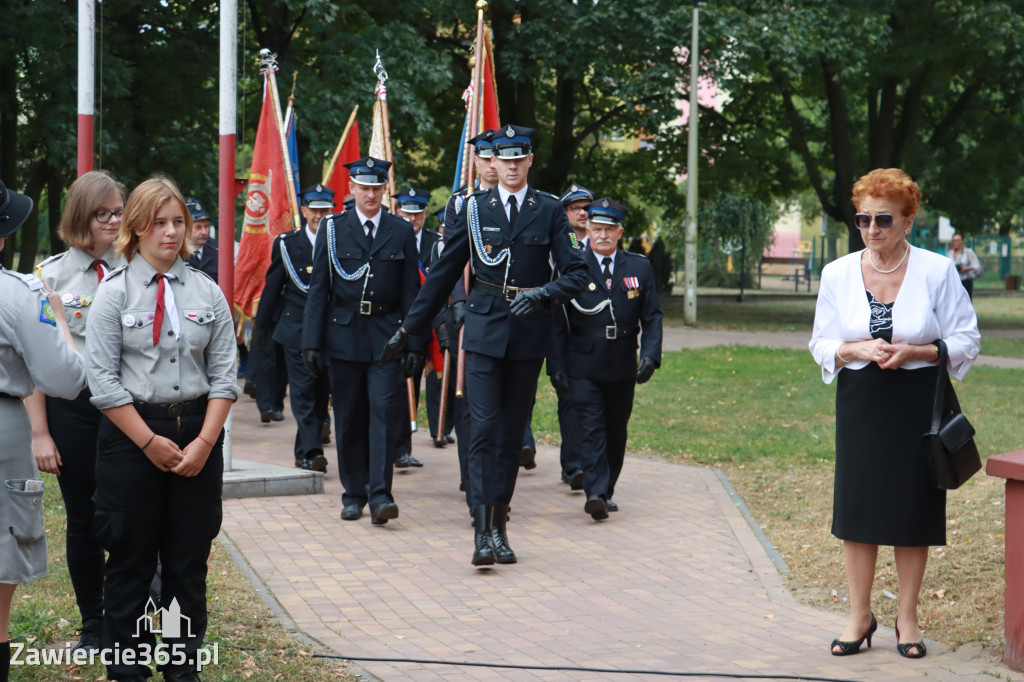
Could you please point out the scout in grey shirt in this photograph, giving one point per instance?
(161, 368)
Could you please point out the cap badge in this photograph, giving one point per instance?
(509, 132)
(592, 286)
(574, 188)
(412, 192)
(319, 188)
(369, 163)
(605, 203)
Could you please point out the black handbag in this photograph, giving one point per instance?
(949, 448)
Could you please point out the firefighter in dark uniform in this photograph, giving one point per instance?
(509, 232)
(412, 205)
(365, 277)
(595, 348)
(284, 300)
(204, 247)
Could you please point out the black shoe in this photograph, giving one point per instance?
(449, 439)
(611, 506)
(249, 389)
(351, 512)
(89, 641)
(277, 415)
(414, 462)
(325, 434)
(438, 443)
(462, 486)
(380, 514)
(134, 678)
(483, 549)
(265, 417)
(503, 553)
(596, 507)
(300, 463)
(316, 463)
(182, 676)
(528, 458)
(850, 648)
(574, 480)
(403, 461)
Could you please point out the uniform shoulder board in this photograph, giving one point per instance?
(480, 192)
(633, 254)
(116, 271)
(549, 195)
(55, 257)
(288, 235)
(31, 281)
(196, 270)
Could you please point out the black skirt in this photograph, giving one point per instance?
(882, 492)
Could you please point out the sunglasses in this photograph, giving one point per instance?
(882, 220)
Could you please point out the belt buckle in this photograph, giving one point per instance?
(611, 332)
(509, 294)
(364, 307)
(174, 410)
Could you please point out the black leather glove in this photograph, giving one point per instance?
(412, 363)
(644, 370)
(560, 380)
(260, 335)
(458, 315)
(528, 301)
(442, 337)
(312, 360)
(393, 346)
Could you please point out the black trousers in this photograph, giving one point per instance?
(363, 396)
(502, 392)
(310, 396)
(269, 372)
(142, 512)
(568, 454)
(463, 437)
(74, 426)
(602, 410)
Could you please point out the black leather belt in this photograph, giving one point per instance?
(8, 396)
(507, 293)
(365, 307)
(610, 332)
(169, 410)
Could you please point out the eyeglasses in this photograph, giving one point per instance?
(882, 220)
(104, 215)
(577, 209)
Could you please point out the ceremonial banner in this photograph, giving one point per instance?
(339, 178)
(486, 112)
(266, 210)
(293, 148)
(378, 146)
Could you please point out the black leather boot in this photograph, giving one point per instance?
(483, 551)
(5, 660)
(502, 552)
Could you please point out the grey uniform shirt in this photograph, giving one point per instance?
(72, 275)
(125, 366)
(33, 351)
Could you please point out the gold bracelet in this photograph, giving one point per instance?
(840, 356)
(936, 347)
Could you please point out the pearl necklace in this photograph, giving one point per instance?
(888, 272)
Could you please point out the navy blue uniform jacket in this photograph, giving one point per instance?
(540, 230)
(599, 359)
(208, 263)
(283, 302)
(393, 278)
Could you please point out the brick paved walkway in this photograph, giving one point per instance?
(675, 581)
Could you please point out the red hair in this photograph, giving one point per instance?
(888, 183)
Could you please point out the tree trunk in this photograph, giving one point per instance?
(555, 173)
(29, 242)
(9, 142)
(53, 198)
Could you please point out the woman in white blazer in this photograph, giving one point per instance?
(878, 313)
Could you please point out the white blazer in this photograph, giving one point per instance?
(931, 304)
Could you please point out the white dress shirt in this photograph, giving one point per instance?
(363, 219)
(520, 196)
(931, 304)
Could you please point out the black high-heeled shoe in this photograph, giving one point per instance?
(849, 648)
(905, 649)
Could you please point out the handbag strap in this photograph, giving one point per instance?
(941, 380)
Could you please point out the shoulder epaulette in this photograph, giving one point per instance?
(547, 194)
(116, 271)
(31, 281)
(52, 258)
(634, 254)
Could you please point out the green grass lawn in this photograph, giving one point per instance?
(733, 404)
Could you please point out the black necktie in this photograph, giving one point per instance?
(369, 234)
(606, 270)
(513, 210)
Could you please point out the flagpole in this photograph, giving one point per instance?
(269, 61)
(382, 97)
(341, 143)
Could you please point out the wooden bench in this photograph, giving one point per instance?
(788, 260)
